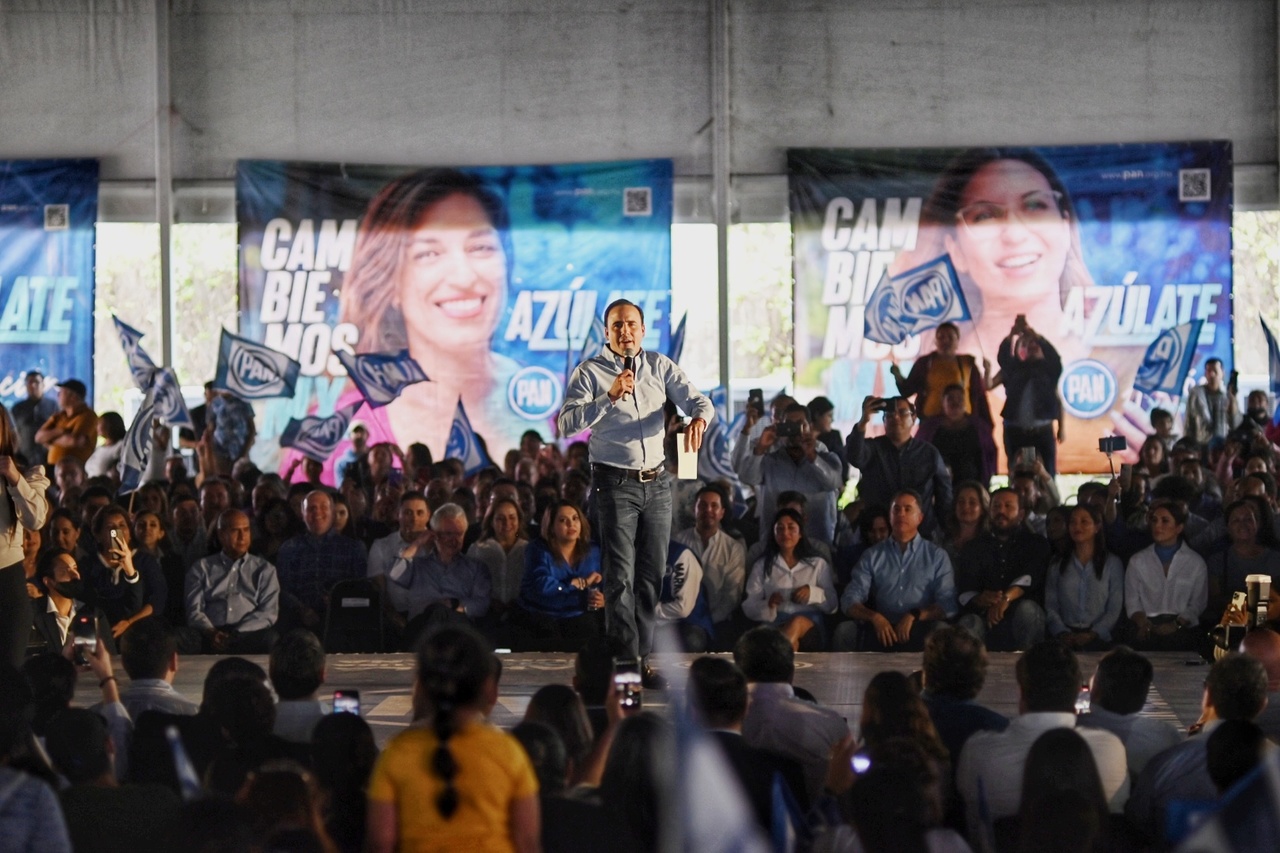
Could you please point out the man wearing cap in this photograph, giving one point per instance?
(29, 415)
(73, 429)
(619, 395)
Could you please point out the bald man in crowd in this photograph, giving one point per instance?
(233, 597)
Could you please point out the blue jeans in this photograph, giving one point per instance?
(634, 523)
(1020, 629)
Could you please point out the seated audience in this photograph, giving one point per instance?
(1166, 585)
(1084, 587)
(718, 696)
(149, 653)
(776, 720)
(286, 807)
(1236, 689)
(1000, 578)
(891, 708)
(58, 577)
(1263, 644)
(343, 754)
(1117, 693)
(723, 558)
(989, 772)
(561, 594)
(970, 518)
(910, 581)
(440, 583)
(955, 668)
(102, 814)
(479, 790)
(790, 586)
(233, 597)
(310, 563)
(126, 585)
(29, 812)
(297, 670)
(1252, 552)
(1064, 805)
(501, 547)
(1234, 750)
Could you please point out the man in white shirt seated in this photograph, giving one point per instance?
(233, 597)
(1117, 693)
(723, 558)
(989, 774)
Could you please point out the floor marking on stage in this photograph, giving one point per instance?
(393, 706)
(1158, 709)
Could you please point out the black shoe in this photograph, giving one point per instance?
(651, 679)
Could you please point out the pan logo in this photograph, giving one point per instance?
(1088, 389)
(534, 393)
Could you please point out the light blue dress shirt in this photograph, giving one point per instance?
(1077, 597)
(629, 433)
(902, 580)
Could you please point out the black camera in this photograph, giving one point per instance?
(787, 429)
(1109, 444)
(879, 404)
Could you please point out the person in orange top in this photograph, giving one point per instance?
(73, 429)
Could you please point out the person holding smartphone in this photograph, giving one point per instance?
(1030, 367)
(23, 507)
(114, 575)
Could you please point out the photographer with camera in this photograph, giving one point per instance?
(788, 457)
(1030, 368)
(896, 461)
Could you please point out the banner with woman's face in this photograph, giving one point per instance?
(1097, 247)
(489, 277)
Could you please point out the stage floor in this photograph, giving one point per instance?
(835, 679)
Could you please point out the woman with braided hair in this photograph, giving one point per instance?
(451, 781)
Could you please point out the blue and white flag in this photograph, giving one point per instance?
(463, 444)
(171, 408)
(595, 340)
(915, 301)
(140, 364)
(136, 452)
(252, 371)
(316, 437)
(715, 461)
(1168, 360)
(381, 376)
(676, 350)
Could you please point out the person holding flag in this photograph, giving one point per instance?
(619, 395)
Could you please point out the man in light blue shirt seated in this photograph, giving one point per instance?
(908, 579)
(442, 583)
(233, 597)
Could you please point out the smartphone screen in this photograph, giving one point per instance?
(861, 763)
(626, 681)
(346, 701)
(84, 637)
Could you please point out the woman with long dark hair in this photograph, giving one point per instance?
(1084, 588)
(1246, 555)
(1064, 806)
(451, 781)
(22, 507)
(790, 586)
(561, 599)
(969, 518)
(1166, 586)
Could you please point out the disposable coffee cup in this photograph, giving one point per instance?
(1258, 589)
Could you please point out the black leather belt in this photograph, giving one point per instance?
(647, 475)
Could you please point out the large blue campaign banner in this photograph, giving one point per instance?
(1099, 247)
(48, 210)
(488, 276)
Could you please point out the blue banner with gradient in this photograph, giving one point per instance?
(48, 210)
(488, 276)
(1100, 247)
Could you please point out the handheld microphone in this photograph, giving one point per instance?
(629, 361)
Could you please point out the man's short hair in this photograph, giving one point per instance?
(619, 303)
(1264, 477)
(412, 496)
(147, 647)
(1121, 682)
(1049, 677)
(1211, 361)
(76, 739)
(909, 493)
(718, 689)
(796, 407)
(715, 489)
(229, 669)
(765, 656)
(296, 664)
(1174, 487)
(1006, 490)
(243, 707)
(1233, 750)
(955, 663)
(1158, 413)
(892, 403)
(447, 512)
(1237, 686)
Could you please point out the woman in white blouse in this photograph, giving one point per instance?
(501, 548)
(22, 507)
(790, 586)
(1166, 587)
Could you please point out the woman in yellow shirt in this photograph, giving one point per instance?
(451, 781)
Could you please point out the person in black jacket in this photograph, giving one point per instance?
(1030, 368)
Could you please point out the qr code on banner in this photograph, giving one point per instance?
(57, 217)
(1193, 185)
(637, 201)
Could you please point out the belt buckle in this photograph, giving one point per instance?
(647, 476)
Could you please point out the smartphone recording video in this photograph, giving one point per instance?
(626, 681)
(346, 702)
(84, 637)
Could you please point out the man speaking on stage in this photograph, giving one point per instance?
(619, 395)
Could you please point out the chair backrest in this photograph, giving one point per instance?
(354, 619)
